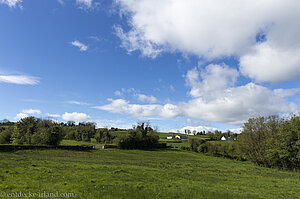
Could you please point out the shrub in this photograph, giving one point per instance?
(141, 137)
(5, 135)
(35, 131)
(228, 149)
(104, 136)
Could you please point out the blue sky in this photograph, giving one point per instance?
(199, 65)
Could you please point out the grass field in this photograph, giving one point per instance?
(81, 143)
(142, 174)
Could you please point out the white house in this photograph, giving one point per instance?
(170, 137)
(227, 138)
(181, 137)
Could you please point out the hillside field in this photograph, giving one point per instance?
(142, 174)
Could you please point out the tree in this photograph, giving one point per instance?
(141, 137)
(284, 147)
(255, 137)
(24, 130)
(31, 130)
(70, 123)
(5, 134)
(103, 136)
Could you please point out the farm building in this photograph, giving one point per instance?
(170, 137)
(227, 138)
(181, 137)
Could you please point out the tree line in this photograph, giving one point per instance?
(266, 141)
(36, 131)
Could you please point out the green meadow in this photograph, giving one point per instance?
(139, 174)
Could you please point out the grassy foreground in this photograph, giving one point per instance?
(142, 174)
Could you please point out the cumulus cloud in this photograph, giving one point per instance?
(214, 78)
(27, 112)
(216, 98)
(20, 116)
(19, 79)
(271, 63)
(81, 46)
(12, 3)
(137, 110)
(264, 34)
(77, 117)
(222, 101)
(146, 98)
(206, 28)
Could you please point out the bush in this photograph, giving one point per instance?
(141, 137)
(35, 131)
(79, 132)
(5, 135)
(104, 136)
(227, 149)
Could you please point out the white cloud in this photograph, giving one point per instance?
(81, 46)
(52, 115)
(214, 78)
(84, 4)
(137, 110)
(271, 63)
(27, 112)
(217, 29)
(132, 41)
(146, 98)
(237, 130)
(124, 91)
(12, 3)
(19, 79)
(76, 102)
(32, 111)
(20, 116)
(210, 28)
(194, 128)
(219, 101)
(77, 117)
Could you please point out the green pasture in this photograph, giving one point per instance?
(142, 174)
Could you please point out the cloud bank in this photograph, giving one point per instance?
(263, 34)
(215, 97)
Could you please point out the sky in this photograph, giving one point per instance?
(202, 65)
